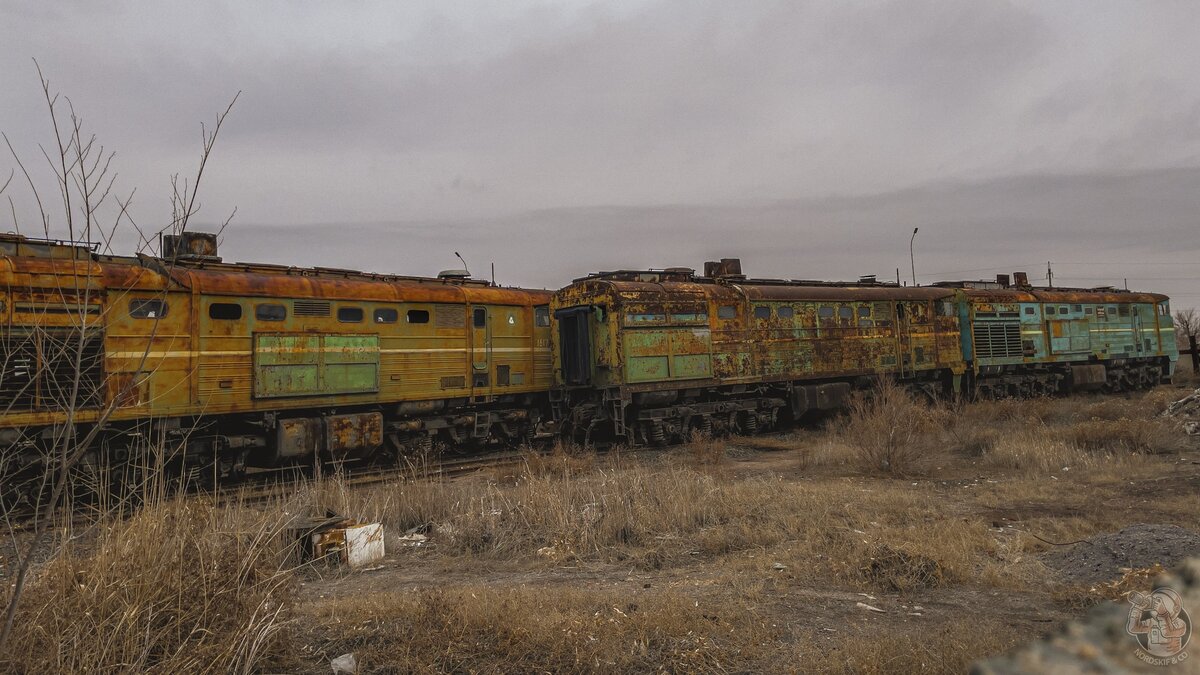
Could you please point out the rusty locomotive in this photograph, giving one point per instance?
(649, 356)
(222, 366)
(236, 365)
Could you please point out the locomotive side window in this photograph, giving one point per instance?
(727, 312)
(845, 312)
(864, 312)
(350, 314)
(147, 309)
(762, 312)
(785, 311)
(225, 311)
(689, 317)
(541, 316)
(825, 312)
(386, 315)
(270, 312)
(479, 317)
(417, 316)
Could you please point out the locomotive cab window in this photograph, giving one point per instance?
(541, 316)
(270, 312)
(225, 311)
(762, 312)
(727, 312)
(479, 317)
(350, 314)
(635, 319)
(142, 308)
(417, 316)
(386, 315)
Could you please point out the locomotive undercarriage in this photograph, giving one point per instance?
(661, 417)
(223, 449)
(1052, 379)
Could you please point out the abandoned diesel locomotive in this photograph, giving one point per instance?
(649, 356)
(218, 367)
(228, 365)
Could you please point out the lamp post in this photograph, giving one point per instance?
(911, 259)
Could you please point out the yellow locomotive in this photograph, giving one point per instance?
(229, 365)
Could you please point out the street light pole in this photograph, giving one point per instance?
(911, 259)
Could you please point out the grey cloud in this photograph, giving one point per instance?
(565, 137)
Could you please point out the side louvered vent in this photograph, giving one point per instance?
(450, 316)
(997, 339)
(311, 308)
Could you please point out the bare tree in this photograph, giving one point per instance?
(57, 367)
(1187, 324)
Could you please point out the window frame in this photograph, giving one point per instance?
(380, 313)
(344, 310)
(137, 305)
(214, 305)
(260, 315)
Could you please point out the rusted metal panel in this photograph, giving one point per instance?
(287, 365)
(308, 365)
(352, 434)
(297, 437)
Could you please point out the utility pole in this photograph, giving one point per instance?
(1049, 275)
(912, 260)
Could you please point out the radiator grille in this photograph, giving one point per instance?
(997, 339)
(311, 308)
(37, 369)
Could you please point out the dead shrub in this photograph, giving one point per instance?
(178, 587)
(893, 568)
(891, 431)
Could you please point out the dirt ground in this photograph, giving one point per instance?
(958, 560)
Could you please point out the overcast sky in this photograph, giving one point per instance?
(558, 138)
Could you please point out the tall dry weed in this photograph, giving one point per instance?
(891, 431)
(181, 586)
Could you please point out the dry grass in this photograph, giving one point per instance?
(891, 431)
(482, 629)
(532, 568)
(179, 587)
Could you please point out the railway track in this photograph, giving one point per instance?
(267, 486)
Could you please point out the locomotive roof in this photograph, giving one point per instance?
(38, 258)
(1063, 295)
(684, 284)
